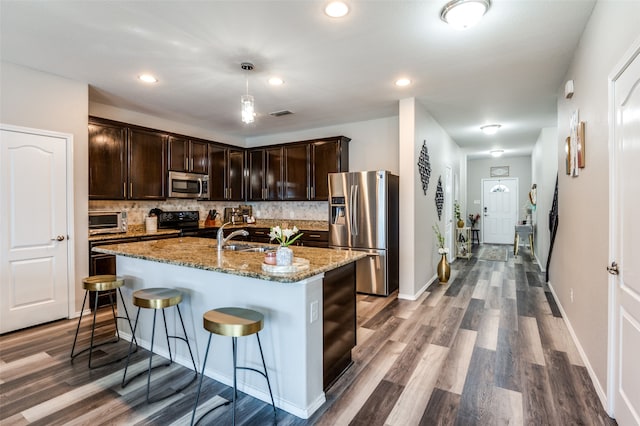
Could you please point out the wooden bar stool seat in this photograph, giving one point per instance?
(233, 322)
(158, 298)
(97, 284)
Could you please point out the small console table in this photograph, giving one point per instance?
(523, 231)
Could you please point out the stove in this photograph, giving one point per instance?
(185, 221)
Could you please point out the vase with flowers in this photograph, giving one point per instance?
(285, 237)
(473, 220)
(443, 270)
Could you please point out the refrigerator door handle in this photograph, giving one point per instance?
(354, 210)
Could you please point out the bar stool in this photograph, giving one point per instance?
(234, 323)
(158, 298)
(475, 236)
(97, 284)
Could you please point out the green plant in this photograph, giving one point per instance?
(456, 209)
(439, 240)
(283, 236)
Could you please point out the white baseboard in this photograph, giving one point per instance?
(602, 394)
(416, 295)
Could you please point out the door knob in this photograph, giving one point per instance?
(613, 269)
(58, 238)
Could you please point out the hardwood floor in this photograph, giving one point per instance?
(488, 348)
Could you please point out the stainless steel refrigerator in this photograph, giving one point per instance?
(363, 215)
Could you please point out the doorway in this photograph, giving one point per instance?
(36, 258)
(499, 210)
(624, 281)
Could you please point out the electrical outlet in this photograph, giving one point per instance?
(313, 312)
(571, 295)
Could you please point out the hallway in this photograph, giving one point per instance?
(488, 348)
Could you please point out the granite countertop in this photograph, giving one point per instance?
(202, 253)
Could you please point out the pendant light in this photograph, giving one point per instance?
(246, 100)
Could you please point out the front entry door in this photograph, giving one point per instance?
(33, 236)
(625, 234)
(500, 210)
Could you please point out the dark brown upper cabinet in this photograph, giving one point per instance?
(126, 163)
(107, 162)
(264, 167)
(147, 165)
(326, 156)
(296, 172)
(226, 173)
(188, 155)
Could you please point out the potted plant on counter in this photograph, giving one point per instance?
(444, 270)
(284, 237)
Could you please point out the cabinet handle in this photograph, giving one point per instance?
(191, 168)
(124, 189)
(230, 193)
(314, 236)
(307, 192)
(186, 163)
(130, 189)
(313, 192)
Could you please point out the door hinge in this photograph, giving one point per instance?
(613, 269)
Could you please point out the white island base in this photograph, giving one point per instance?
(291, 338)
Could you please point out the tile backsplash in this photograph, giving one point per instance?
(138, 210)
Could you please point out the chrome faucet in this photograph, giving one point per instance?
(222, 240)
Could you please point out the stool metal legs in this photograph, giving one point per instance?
(235, 387)
(125, 382)
(93, 329)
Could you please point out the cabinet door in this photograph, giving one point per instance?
(217, 173)
(256, 167)
(296, 175)
(325, 159)
(107, 162)
(147, 166)
(235, 175)
(273, 173)
(198, 157)
(178, 154)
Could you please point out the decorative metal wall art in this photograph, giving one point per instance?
(439, 197)
(424, 166)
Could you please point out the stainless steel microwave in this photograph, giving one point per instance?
(188, 185)
(105, 222)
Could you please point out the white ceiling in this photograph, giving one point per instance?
(506, 70)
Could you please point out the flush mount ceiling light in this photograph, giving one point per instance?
(401, 82)
(490, 129)
(276, 81)
(336, 9)
(147, 78)
(497, 153)
(462, 14)
(246, 100)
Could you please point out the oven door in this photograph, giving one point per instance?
(188, 185)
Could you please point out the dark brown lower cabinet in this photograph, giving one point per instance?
(339, 321)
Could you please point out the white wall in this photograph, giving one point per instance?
(43, 101)
(418, 251)
(373, 146)
(580, 254)
(544, 169)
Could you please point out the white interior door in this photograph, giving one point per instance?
(625, 234)
(500, 210)
(33, 242)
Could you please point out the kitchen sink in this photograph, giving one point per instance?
(248, 248)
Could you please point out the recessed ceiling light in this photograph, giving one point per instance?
(276, 81)
(336, 9)
(497, 153)
(462, 14)
(401, 82)
(147, 78)
(490, 129)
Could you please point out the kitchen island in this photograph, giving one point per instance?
(309, 314)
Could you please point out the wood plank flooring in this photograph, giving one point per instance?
(488, 348)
